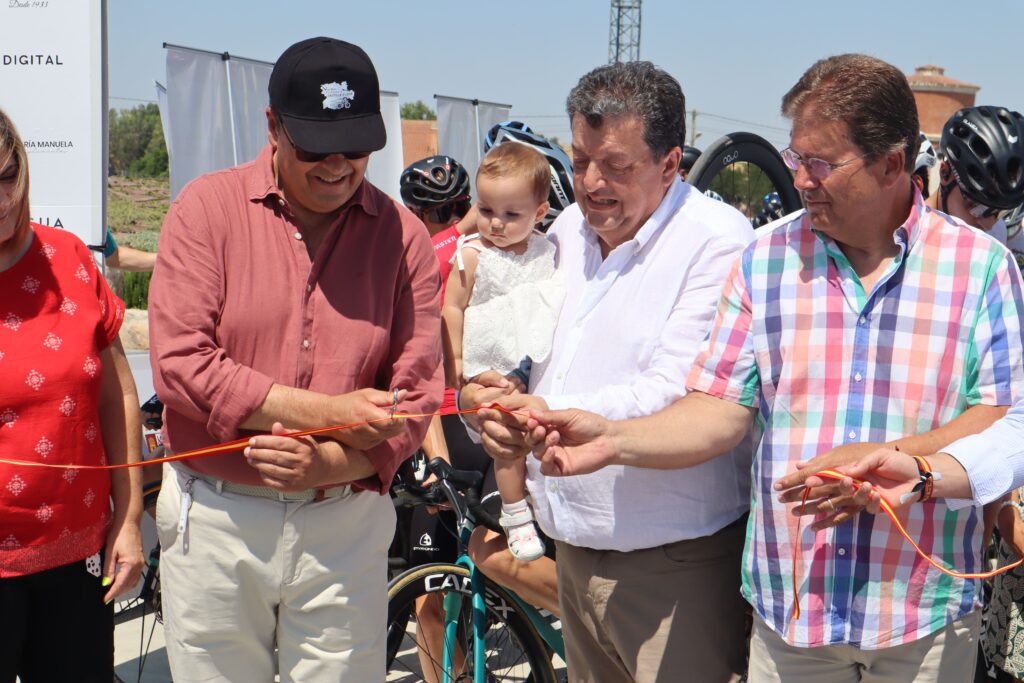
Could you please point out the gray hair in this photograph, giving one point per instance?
(633, 88)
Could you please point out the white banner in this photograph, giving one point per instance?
(53, 86)
(165, 122)
(490, 114)
(199, 115)
(249, 82)
(461, 126)
(385, 167)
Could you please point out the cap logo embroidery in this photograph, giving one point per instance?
(337, 95)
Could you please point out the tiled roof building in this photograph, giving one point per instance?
(938, 96)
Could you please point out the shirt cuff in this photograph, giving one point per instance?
(990, 474)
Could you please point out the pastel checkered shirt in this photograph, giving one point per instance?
(827, 363)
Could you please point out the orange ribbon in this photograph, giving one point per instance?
(832, 474)
(239, 444)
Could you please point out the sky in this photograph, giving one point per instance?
(734, 60)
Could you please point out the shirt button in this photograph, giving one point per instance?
(852, 435)
(863, 320)
(309, 288)
(281, 202)
(841, 551)
(579, 323)
(560, 375)
(552, 486)
(297, 235)
(858, 377)
(305, 343)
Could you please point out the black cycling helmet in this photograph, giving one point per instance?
(689, 158)
(985, 149)
(561, 194)
(433, 182)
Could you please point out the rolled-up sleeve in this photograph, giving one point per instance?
(192, 374)
(993, 459)
(414, 356)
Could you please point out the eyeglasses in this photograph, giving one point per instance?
(819, 169)
(313, 157)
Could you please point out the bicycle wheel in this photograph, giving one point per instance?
(743, 168)
(514, 651)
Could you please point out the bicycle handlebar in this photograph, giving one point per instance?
(448, 487)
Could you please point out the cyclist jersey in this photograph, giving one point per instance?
(444, 249)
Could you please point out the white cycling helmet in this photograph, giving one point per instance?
(926, 156)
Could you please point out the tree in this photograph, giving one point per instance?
(417, 111)
(137, 141)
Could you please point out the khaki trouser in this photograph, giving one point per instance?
(251, 574)
(671, 613)
(946, 656)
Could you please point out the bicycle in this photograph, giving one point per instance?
(743, 168)
(490, 634)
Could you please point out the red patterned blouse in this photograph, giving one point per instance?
(56, 315)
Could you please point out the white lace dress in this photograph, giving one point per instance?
(513, 308)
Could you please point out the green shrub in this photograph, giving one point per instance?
(136, 290)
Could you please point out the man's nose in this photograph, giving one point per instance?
(802, 178)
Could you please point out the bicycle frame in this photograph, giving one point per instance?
(478, 586)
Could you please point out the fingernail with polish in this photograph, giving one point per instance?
(107, 580)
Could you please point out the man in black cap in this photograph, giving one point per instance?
(290, 293)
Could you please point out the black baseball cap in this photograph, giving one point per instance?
(325, 92)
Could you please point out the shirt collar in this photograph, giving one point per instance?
(261, 185)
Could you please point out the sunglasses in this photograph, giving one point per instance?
(819, 169)
(445, 212)
(313, 157)
(976, 209)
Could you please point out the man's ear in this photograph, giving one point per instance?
(671, 167)
(945, 172)
(271, 128)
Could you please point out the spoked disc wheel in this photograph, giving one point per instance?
(743, 168)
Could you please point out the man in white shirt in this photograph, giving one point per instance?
(648, 562)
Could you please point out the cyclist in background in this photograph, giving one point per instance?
(926, 158)
(980, 172)
(436, 189)
(771, 210)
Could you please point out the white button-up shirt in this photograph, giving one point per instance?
(629, 329)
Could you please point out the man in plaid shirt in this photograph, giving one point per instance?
(867, 318)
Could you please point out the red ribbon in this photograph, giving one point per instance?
(239, 444)
(832, 474)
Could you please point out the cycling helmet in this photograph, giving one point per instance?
(925, 154)
(501, 129)
(771, 206)
(714, 195)
(1013, 219)
(689, 158)
(985, 148)
(433, 182)
(561, 194)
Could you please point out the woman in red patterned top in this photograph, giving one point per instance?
(66, 397)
